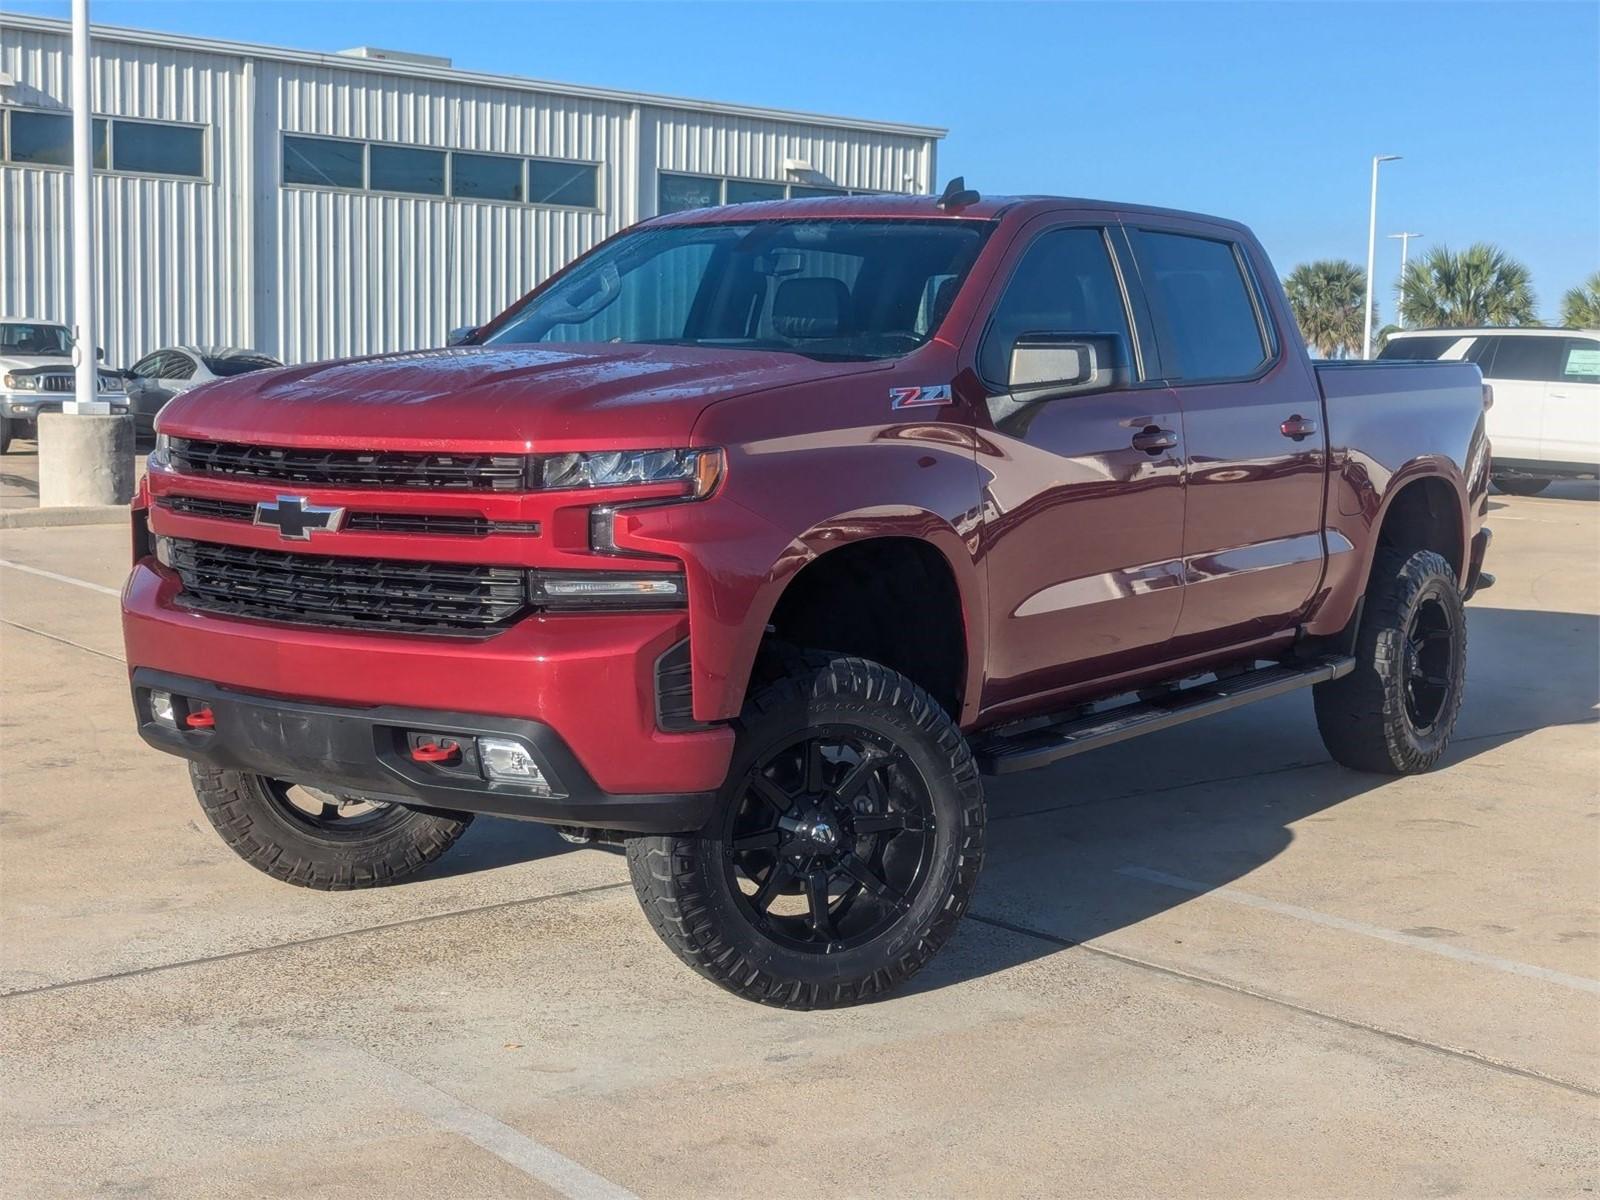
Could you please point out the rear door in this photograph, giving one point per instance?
(1570, 431)
(1082, 488)
(1520, 368)
(1253, 432)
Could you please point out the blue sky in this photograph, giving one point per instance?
(1266, 112)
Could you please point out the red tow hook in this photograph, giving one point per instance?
(201, 718)
(436, 752)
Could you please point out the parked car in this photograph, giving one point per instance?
(755, 537)
(37, 374)
(162, 374)
(1545, 423)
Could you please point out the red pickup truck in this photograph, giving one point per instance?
(754, 538)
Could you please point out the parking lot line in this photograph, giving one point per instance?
(512, 1146)
(1442, 949)
(41, 572)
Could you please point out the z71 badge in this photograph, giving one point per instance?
(919, 397)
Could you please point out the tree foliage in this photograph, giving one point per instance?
(1326, 299)
(1481, 285)
(1580, 307)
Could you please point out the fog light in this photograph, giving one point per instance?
(506, 760)
(161, 709)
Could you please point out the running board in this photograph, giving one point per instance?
(1003, 755)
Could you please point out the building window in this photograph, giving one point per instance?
(383, 167)
(568, 184)
(45, 139)
(677, 193)
(404, 169)
(151, 149)
(486, 177)
(747, 191)
(323, 162)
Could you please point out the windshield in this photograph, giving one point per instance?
(237, 364)
(38, 341)
(828, 289)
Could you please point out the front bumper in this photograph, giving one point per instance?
(587, 681)
(26, 406)
(365, 751)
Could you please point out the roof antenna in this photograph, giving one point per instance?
(957, 194)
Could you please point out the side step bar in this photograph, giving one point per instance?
(1003, 755)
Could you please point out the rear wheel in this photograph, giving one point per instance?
(1395, 712)
(318, 839)
(845, 849)
(1521, 485)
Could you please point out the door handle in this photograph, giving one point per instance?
(1298, 428)
(1153, 439)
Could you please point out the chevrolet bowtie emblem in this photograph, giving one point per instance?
(296, 520)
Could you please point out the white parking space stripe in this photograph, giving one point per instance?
(533, 1159)
(43, 574)
(1442, 949)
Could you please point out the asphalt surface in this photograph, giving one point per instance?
(1204, 963)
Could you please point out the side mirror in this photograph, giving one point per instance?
(1053, 364)
(462, 335)
(100, 354)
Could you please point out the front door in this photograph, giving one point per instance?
(1254, 435)
(1570, 431)
(1083, 491)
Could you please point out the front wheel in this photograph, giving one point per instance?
(5, 434)
(1395, 712)
(317, 839)
(1521, 485)
(845, 848)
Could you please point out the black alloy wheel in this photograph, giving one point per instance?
(831, 839)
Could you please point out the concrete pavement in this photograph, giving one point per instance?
(1204, 963)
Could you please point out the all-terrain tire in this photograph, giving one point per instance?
(5, 434)
(250, 814)
(1372, 719)
(689, 893)
(1521, 485)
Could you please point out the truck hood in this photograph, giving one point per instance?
(492, 399)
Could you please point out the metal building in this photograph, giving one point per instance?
(319, 205)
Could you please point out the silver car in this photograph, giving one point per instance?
(163, 374)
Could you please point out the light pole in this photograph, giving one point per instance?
(87, 397)
(1405, 246)
(1372, 250)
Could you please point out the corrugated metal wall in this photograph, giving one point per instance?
(313, 273)
(168, 248)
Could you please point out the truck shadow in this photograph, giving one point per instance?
(1212, 801)
(1208, 802)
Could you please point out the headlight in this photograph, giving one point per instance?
(700, 469)
(22, 383)
(110, 383)
(159, 456)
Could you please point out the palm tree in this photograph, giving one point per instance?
(1326, 299)
(1580, 307)
(1482, 285)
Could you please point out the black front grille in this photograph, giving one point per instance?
(452, 524)
(353, 468)
(57, 383)
(359, 593)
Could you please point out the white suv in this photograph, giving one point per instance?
(36, 375)
(1545, 423)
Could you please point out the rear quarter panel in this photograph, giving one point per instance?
(1390, 424)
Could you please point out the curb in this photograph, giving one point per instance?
(50, 518)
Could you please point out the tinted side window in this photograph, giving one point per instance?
(1409, 348)
(1204, 312)
(485, 177)
(680, 192)
(46, 138)
(177, 366)
(744, 191)
(574, 185)
(1536, 359)
(1064, 284)
(1582, 361)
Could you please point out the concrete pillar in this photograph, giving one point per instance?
(84, 460)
